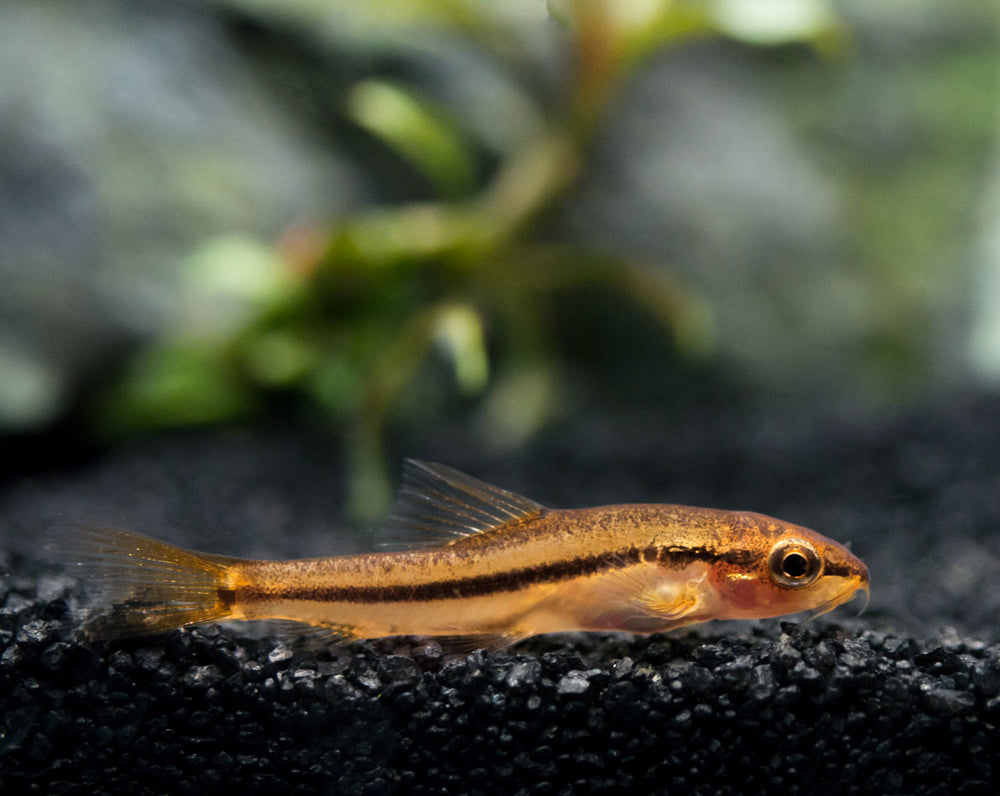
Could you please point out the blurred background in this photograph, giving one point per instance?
(412, 217)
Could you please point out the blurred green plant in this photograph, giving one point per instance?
(355, 316)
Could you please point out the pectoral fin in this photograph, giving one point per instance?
(643, 600)
(672, 608)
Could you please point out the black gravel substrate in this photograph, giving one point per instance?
(905, 699)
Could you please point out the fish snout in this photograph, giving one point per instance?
(851, 576)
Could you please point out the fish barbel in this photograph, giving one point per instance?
(493, 568)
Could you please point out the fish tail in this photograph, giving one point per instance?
(137, 586)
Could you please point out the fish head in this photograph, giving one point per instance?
(779, 568)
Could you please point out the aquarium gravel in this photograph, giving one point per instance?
(903, 699)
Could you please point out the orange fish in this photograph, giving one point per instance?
(494, 568)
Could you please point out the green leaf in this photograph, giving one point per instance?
(418, 131)
(229, 282)
(174, 384)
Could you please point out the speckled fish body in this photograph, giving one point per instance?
(493, 566)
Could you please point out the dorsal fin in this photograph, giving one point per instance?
(438, 505)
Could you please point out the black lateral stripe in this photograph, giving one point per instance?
(480, 585)
(840, 570)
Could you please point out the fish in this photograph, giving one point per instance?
(485, 567)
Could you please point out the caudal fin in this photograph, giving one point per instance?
(137, 586)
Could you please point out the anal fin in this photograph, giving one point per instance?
(463, 644)
(308, 637)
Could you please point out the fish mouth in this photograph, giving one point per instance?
(846, 595)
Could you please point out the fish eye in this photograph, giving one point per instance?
(794, 563)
